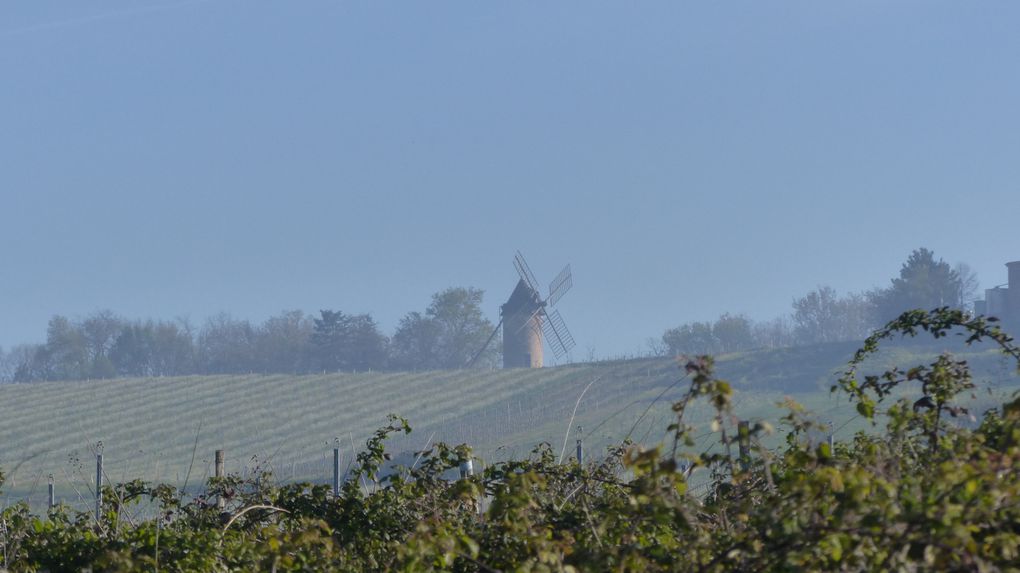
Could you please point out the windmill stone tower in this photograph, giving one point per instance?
(522, 328)
(527, 322)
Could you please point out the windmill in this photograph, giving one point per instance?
(527, 321)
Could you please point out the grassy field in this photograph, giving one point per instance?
(167, 429)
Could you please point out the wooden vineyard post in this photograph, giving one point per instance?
(580, 449)
(99, 486)
(744, 441)
(832, 439)
(336, 472)
(219, 472)
(52, 499)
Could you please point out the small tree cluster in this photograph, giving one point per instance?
(822, 315)
(447, 335)
(105, 345)
(729, 333)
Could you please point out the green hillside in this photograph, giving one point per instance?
(150, 428)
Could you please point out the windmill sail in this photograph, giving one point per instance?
(557, 334)
(560, 285)
(525, 271)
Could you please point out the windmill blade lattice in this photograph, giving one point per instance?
(560, 285)
(557, 334)
(525, 272)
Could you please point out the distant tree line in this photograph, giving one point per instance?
(443, 336)
(104, 345)
(822, 315)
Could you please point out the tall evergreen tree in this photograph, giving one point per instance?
(344, 342)
(924, 283)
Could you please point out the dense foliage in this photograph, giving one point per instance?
(935, 489)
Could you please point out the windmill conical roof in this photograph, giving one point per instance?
(523, 296)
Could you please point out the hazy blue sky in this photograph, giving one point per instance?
(164, 158)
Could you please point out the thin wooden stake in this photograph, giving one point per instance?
(336, 472)
(99, 486)
(220, 472)
(744, 442)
